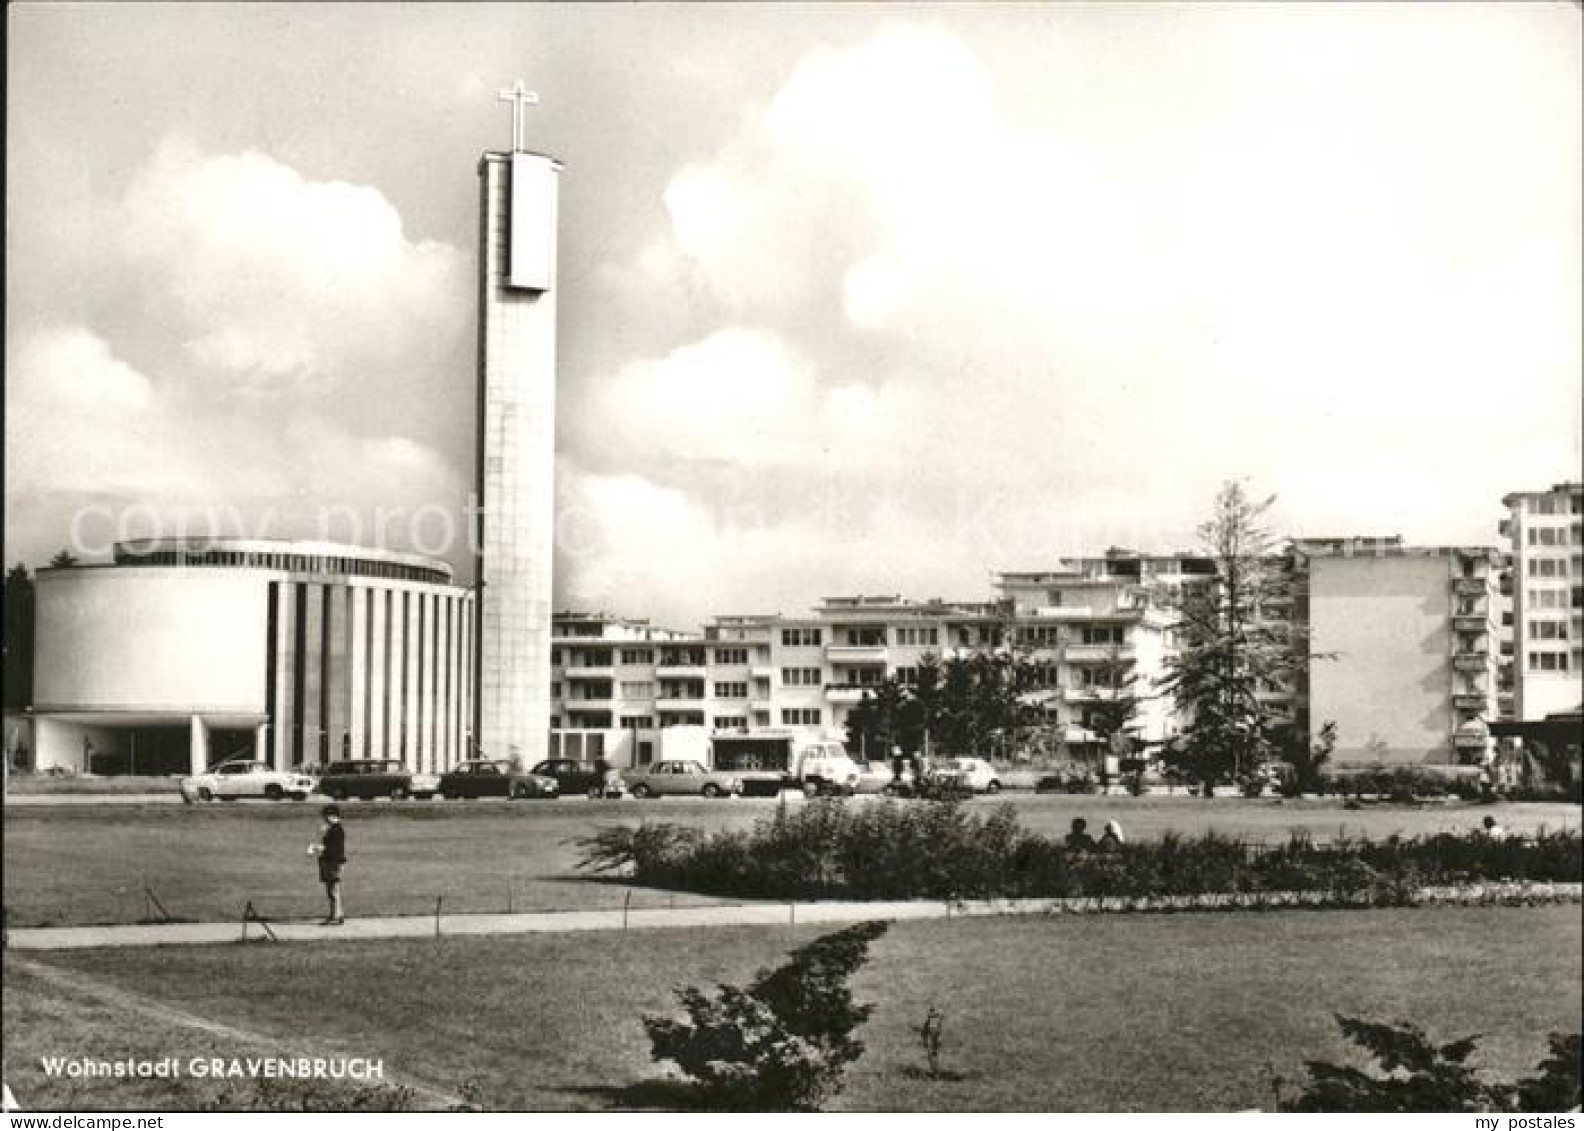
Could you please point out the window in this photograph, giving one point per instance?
(800, 637)
(1102, 634)
(731, 691)
(637, 722)
(1043, 636)
(637, 689)
(859, 677)
(555, 690)
(637, 655)
(865, 637)
(800, 716)
(800, 677)
(731, 722)
(917, 636)
(555, 655)
(731, 655)
(1053, 598)
(906, 676)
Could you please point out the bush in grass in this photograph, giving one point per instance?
(785, 1041)
(941, 850)
(651, 850)
(1412, 1074)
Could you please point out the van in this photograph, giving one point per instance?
(826, 768)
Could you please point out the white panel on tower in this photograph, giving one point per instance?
(532, 245)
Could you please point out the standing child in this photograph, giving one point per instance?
(331, 851)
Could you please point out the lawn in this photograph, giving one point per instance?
(1142, 1012)
(90, 863)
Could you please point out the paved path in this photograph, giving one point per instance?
(538, 922)
(744, 914)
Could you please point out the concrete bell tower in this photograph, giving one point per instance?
(515, 534)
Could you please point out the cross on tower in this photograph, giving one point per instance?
(520, 97)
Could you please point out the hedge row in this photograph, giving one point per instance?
(940, 850)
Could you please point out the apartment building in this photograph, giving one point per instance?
(1545, 532)
(1416, 632)
(1097, 620)
(1409, 636)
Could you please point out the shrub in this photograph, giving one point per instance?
(1556, 1086)
(785, 1041)
(943, 850)
(1415, 1075)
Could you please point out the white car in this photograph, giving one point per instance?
(245, 777)
(971, 773)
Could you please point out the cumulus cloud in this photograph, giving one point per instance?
(264, 351)
(1051, 339)
(268, 275)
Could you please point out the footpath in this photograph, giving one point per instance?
(746, 914)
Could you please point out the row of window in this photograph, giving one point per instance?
(790, 716)
(1556, 535)
(290, 563)
(1555, 598)
(1548, 630)
(1554, 567)
(1552, 504)
(1548, 661)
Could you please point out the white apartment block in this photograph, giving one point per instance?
(1545, 530)
(1410, 674)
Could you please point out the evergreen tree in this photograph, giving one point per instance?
(1235, 639)
(18, 642)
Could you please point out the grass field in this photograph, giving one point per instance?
(1141, 1012)
(89, 864)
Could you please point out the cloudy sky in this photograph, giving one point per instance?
(853, 298)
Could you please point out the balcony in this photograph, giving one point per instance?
(1470, 661)
(1470, 586)
(673, 698)
(593, 703)
(1471, 622)
(1470, 700)
(1092, 653)
(1470, 741)
(846, 692)
(1084, 694)
(589, 673)
(757, 672)
(680, 671)
(856, 653)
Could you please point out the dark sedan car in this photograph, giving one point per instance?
(489, 778)
(573, 776)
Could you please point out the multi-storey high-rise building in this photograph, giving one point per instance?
(1545, 530)
(1405, 645)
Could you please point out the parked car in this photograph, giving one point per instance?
(376, 777)
(826, 768)
(681, 776)
(245, 777)
(578, 777)
(485, 777)
(879, 777)
(974, 774)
